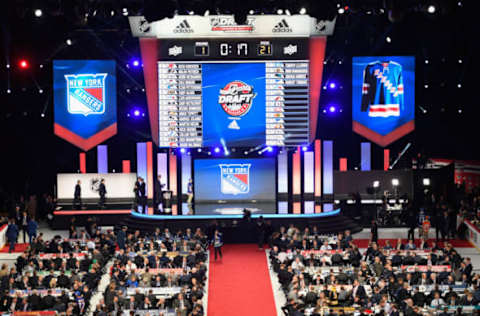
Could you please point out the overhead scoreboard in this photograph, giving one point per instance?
(213, 82)
(233, 92)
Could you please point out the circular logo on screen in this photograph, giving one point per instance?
(236, 98)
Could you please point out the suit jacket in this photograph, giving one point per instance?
(102, 190)
(78, 191)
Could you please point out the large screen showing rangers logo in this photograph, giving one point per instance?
(234, 179)
(233, 103)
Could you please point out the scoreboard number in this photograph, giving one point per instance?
(201, 49)
(264, 49)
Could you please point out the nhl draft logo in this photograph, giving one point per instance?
(86, 93)
(236, 98)
(94, 184)
(235, 178)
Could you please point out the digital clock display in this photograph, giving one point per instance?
(237, 49)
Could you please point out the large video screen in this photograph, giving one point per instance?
(235, 179)
(383, 105)
(233, 103)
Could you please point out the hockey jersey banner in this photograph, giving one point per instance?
(383, 97)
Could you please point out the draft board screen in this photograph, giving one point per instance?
(233, 103)
(235, 179)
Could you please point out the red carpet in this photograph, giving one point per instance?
(18, 248)
(239, 284)
(363, 243)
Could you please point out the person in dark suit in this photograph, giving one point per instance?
(12, 234)
(122, 237)
(158, 186)
(141, 194)
(77, 196)
(48, 301)
(32, 227)
(102, 191)
(217, 242)
(358, 290)
(23, 223)
(374, 231)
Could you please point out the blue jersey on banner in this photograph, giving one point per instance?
(383, 105)
(85, 99)
(235, 179)
(233, 104)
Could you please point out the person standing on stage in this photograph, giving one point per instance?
(32, 229)
(261, 232)
(102, 191)
(141, 194)
(159, 185)
(217, 242)
(190, 191)
(77, 196)
(12, 234)
(374, 231)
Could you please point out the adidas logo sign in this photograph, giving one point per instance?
(183, 27)
(282, 27)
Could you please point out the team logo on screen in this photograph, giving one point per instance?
(86, 93)
(236, 98)
(235, 178)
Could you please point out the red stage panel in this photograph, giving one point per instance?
(172, 172)
(343, 164)
(318, 168)
(149, 170)
(83, 163)
(296, 176)
(126, 166)
(317, 55)
(386, 159)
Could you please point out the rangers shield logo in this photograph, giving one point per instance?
(235, 178)
(236, 98)
(86, 93)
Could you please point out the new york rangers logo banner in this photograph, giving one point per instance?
(85, 103)
(383, 105)
(235, 178)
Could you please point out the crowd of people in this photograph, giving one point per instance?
(329, 273)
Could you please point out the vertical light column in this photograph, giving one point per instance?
(308, 172)
(318, 168)
(386, 159)
(142, 160)
(125, 166)
(343, 164)
(83, 163)
(328, 167)
(186, 172)
(172, 159)
(296, 176)
(365, 164)
(162, 168)
(102, 159)
(149, 179)
(282, 170)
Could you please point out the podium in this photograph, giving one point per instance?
(167, 202)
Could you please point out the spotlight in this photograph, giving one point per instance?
(125, 11)
(431, 9)
(23, 64)
(38, 13)
(135, 63)
(426, 86)
(304, 148)
(182, 150)
(8, 66)
(136, 113)
(388, 39)
(426, 181)
(332, 85)
(199, 150)
(269, 149)
(460, 61)
(426, 61)
(459, 85)
(460, 111)
(217, 150)
(332, 109)
(302, 11)
(279, 11)
(42, 115)
(9, 91)
(395, 182)
(341, 11)
(227, 153)
(40, 91)
(376, 184)
(245, 152)
(69, 42)
(112, 13)
(41, 66)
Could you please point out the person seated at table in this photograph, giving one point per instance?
(325, 246)
(410, 245)
(399, 245)
(437, 301)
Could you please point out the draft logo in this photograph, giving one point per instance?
(86, 93)
(235, 178)
(236, 98)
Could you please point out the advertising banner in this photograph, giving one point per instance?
(85, 101)
(383, 105)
